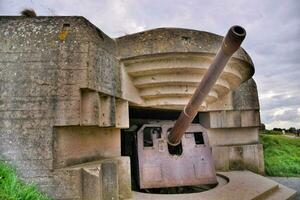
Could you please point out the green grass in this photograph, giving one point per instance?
(12, 188)
(281, 155)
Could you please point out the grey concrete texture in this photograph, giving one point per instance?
(291, 182)
(242, 185)
(109, 178)
(166, 40)
(239, 157)
(44, 62)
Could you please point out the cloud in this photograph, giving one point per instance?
(273, 28)
(288, 115)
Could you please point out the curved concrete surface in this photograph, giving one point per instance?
(242, 185)
(165, 65)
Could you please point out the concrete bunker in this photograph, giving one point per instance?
(71, 97)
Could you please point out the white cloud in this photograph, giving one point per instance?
(268, 95)
(279, 111)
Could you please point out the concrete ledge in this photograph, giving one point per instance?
(242, 185)
(230, 118)
(109, 178)
(239, 157)
(81, 144)
(233, 136)
(282, 192)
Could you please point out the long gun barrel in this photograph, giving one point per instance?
(231, 42)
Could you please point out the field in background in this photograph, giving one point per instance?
(12, 188)
(281, 154)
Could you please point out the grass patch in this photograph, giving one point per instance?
(281, 155)
(12, 188)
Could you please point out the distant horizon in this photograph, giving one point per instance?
(273, 31)
(282, 128)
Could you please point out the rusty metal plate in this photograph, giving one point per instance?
(158, 168)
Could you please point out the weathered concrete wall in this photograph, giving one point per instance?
(79, 144)
(233, 126)
(173, 40)
(162, 67)
(44, 63)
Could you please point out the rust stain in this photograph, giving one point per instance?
(158, 167)
(63, 34)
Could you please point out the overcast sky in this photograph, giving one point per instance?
(273, 29)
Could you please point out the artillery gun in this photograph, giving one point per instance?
(179, 154)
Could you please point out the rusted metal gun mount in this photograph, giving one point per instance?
(161, 165)
(179, 154)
